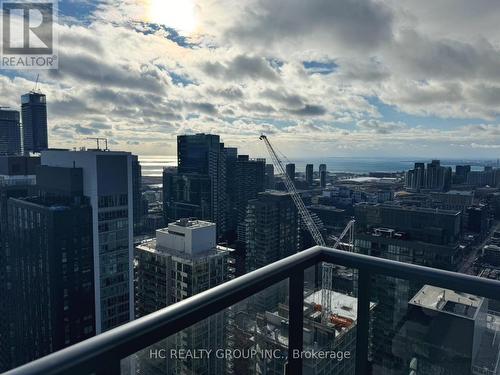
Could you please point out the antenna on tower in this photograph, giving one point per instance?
(35, 88)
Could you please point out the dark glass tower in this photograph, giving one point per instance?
(249, 182)
(290, 171)
(50, 239)
(309, 174)
(10, 132)
(270, 183)
(34, 116)
(204, 154)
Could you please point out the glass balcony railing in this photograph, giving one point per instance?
(358, 315)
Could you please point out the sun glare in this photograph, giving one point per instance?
(177, 14)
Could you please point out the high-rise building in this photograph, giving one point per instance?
(17, 179)
(322, 179)
(181, 261)
(34, 117)
(477, 219)
(204, 154)
(10, 132)
(322, 167)
(290, 171)
(435, 177)
(461, 172)
(270, 183)
(337, 334)
(136, 192)
(51, 288)
(309, 174)
(249, 181)
(231, 158)
(481, 178)
(420, 236)
(415, 178)
(447, 332)
(186, 195)
(272, 233)
(108, 184)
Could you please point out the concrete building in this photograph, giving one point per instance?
(481, 178)
(272, 233)
(447, 332)
(10, 132)
(181, 261)
(457, 200)
(433, 177)
(413, 235)
(335, 333)
(108, 184)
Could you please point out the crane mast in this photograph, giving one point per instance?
(305, 215)
(303, 212)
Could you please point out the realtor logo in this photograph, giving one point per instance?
(28, 37)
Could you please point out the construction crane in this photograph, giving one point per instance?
(305, 215)
(290, 187)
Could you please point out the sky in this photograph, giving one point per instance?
(353, 78)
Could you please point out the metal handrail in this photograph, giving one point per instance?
(102, 353)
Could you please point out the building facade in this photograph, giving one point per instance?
(51, 286)
(10, 132)
(34, 117)
(309, 174)
(272, 233)
(108, 184)
(420, 236)
(181, 261)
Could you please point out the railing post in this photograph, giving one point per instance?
(296, 322)
(363, 322)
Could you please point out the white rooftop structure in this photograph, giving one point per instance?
(187, 236)
(447, 301)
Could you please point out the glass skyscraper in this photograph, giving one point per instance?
(34, 116)
(10, 132)
(108, 183)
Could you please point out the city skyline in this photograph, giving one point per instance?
(272, 187)
(130, 72)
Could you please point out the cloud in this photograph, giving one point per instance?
(309, 110)
(358, 25)
(240, 68)
(363, 76)
(381, 127)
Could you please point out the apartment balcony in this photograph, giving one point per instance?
(382, 317)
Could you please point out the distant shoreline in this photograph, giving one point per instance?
(152, 166)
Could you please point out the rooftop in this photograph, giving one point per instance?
(447, 301)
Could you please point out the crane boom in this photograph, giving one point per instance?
(303, 212)
(305, 215)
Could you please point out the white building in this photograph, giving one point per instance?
(107, 181)
(181, 261)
